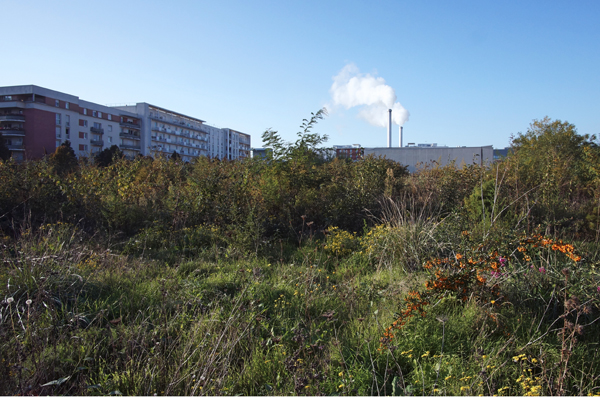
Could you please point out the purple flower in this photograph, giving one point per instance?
(502, 261)
(598, 288)
(495, 274)
(542, 270)
(531, 266)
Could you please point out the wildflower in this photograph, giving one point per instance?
(28, 302)
(542, 270)
(10, 300)
(448, 377)
(341, 373)
(341, 386)
(534, 360)
(493, 301)
(502, 261)
(307, 386)
(464, 388)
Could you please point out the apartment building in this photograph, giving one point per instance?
(165, 132)
(34, 121)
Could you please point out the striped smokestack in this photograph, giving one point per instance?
(389, 141)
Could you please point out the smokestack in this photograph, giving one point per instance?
(389, 144)
(401, 128)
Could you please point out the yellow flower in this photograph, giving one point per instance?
(341, 386)
(341, 373)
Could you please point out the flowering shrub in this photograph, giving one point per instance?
(340, 242)
(475, 277)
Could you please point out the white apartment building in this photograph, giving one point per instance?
(165, 131)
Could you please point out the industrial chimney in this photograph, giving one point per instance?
(401, 128)
(389, 141)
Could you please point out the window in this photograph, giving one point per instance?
(58, 131)
(83, 135)
(97, 125)
(67, 120)
(94, 113)
(67, 133)
(7, 98)
(67, 105)
(57, 103)
(110, 139)
(110, 128)
(57, 119)
(83, 147)
(99, 114)
(58, 143)
(85, 111)
(109, 117)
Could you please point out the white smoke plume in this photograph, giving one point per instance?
(352, 89)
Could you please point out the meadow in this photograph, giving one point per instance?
(298, 275)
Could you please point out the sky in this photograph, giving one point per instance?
(456, 73)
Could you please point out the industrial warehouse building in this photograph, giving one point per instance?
(415, 156)
(34, 121)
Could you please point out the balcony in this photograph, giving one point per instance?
(130, 125)
(12, 117)
(128, 135)
(130, 147)
(98, 131)
(97, 142)
(12, 132)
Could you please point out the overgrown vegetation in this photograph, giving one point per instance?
(298, 275)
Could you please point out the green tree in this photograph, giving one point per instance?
(5, 153)
(63, 160)
(550, 165)
(108, 156)
(306, 147)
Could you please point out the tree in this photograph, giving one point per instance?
(550, 166)
(175, 156)
(63, 160)
(108, 156)
(305, 147)
(5, 153)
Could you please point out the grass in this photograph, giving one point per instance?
(80, 318)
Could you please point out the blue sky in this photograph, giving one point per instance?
(469, 73)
